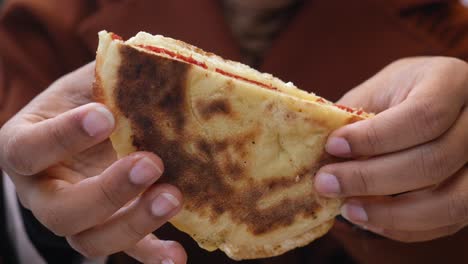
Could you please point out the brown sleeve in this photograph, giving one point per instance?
(366, 248)
(445, 22)
(38, 44)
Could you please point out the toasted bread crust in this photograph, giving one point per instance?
(244, 157)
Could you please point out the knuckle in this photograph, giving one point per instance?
(132, 232)
(111, 198)
(440, 162)
(458, 207)
(428, 119)
(432, 164)
(442, 66)
(372, 139)
(452, 63)
(391, 218)
(85, 247)
(400, 62)
(60, 138)
(14, 159)
(362, 181)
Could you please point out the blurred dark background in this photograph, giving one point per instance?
(5, 248)
(5, 245)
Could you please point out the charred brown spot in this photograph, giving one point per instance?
(291, 115)
(234, 170)
(269, 107)
(229, 85)
(218, 209)
(153, 83)
(210, 108)
(221, 145)
(204, 146)
(151, 93)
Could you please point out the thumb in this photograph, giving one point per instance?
(30, 148)
(370, 96)
(387, 88)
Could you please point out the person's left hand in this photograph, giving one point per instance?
(57, 152)
(408, 176)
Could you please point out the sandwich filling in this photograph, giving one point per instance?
(243, 157)
(191, 60)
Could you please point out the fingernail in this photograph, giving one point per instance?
(144, 172)
(327, 184)
(98, 121)
(338, 146)
(354, 212)
(164, 204)
(167, 261)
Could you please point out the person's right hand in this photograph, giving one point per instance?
(57, 153)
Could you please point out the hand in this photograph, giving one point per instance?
(65, 171)
(408, 177)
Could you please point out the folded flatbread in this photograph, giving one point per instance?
(242, 146)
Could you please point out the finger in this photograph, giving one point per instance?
(415, 211)
(152, 250)
(399, 172)
(409, 124)
(412, 92)
(419, 236)
(387, 88)
(94, 199)
(131, 224)
(63, 135)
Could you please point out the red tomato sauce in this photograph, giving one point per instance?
(203, 65)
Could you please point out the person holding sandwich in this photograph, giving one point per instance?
(403, 60)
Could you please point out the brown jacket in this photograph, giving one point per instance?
(328, 47)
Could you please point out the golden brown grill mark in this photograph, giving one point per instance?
(152, 94)
(209, 108)
(234, 170)
(204, 146)
(152, 82)
(221, 145)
